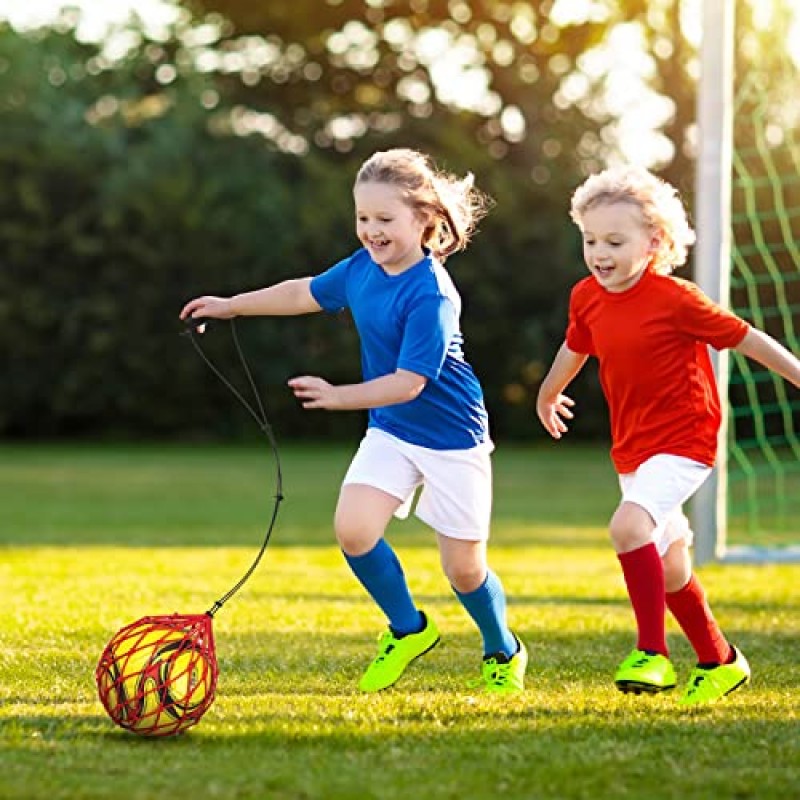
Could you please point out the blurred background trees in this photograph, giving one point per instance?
(217, 154)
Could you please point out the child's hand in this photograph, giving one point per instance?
(314, 392)
(212, 307)
(553, 412)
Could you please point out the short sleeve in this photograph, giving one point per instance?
(329, 288)
(706, 321)
(579, 337)
(429, 329)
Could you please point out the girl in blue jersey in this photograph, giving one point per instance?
(427, 420)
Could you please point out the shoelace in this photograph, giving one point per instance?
(697, 682)
(385, 646)
(494, 673)
(498, 673)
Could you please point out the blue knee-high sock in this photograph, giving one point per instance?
(381, 575)
(487, 606)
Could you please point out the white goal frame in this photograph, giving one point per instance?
(709, 509)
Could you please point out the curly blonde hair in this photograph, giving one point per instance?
(455, 205)
(661, 207)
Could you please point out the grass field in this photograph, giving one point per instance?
(94, 537)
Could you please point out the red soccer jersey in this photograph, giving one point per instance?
(651, 342)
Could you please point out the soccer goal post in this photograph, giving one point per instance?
(747, 257)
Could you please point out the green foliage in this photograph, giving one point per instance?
(350, 57)
(132, 531)
(128, 188)
(125, 197)
(119, 203)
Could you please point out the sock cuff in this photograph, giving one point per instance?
(645, 551)
(691, 587)
(374, 561)
(491, 585)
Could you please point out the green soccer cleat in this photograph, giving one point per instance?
(645, 672)
(710, 685)
(395, 653)
(503, 675)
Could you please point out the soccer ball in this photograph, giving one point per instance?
(157, 676)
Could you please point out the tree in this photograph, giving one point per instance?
(221, 157)
(120, 201)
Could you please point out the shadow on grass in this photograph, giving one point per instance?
(518, 599)
(259, 663)
(413, 745)
(416, 538)
(290, 724)
(554, 657)
(173, 495)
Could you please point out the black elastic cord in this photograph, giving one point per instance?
(260, 416)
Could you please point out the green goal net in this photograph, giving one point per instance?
(764, 411)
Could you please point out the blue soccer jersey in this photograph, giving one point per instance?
(410, 321)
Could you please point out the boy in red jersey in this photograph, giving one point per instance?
(650, 333)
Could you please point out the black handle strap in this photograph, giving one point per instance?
(195, 326)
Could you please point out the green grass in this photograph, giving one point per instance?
(94, 537)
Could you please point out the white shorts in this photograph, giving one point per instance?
(456, 497)
(661, 485)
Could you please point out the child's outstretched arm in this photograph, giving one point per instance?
(284, 299)
(773, 355)
(552, 406)
(400, 386)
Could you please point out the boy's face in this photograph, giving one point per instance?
(387, 226)
(617, 245)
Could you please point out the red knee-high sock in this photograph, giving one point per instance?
(691, 610)
(644, 577)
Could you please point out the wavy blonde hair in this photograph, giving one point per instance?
(661, 207)
(454, 205)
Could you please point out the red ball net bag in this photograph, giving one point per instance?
(158, 675)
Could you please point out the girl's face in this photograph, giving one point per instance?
(617, 245)
(387, 226)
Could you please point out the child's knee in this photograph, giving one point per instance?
(354, 533)
(677, 566)
(465, 575)
(466, 580)
(631, 527)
